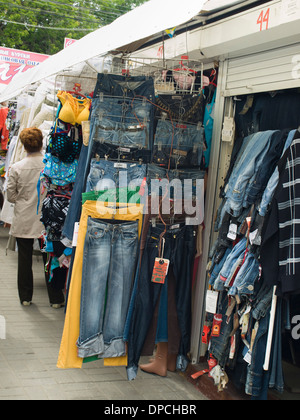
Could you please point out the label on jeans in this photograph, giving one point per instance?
(120, 165)
(160, 270)
(216, 327)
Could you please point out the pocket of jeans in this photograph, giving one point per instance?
(96, 233)
(129, 236)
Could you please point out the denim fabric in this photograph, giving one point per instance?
(179, 248)
(276, 379)
(219, 346)
(243, 172)
(273, 181)
(119, 153)
(108, 268)
(74, 211)
(246, 277)
(187, 187)
(106, 174)
(216, 268)
(123, 122)
(181, 143)
(266, 166)
(124, 86)
(255, 374)
(226, 272)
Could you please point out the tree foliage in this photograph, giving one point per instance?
(41, 25)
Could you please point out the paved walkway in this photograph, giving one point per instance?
(28, 354)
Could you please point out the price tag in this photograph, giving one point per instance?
(211, 301)
(232, 231)
(75, 234)
(160, 270)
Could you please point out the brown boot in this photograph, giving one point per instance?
(158, 365)
(171, 364)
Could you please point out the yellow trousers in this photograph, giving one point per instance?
(67, 357)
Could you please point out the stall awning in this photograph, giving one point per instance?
(130, 29)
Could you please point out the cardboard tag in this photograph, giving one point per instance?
(232, 231)
(75, 234)
(160, 270)
(216, 327)
(211, 301)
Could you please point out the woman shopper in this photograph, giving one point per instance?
(26, 226)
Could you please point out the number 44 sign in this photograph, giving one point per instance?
(263, 19)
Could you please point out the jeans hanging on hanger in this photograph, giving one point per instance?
(182, 143)
(180, 250)
(106, 174)
(108, 267)
(122, 121)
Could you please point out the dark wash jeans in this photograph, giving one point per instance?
(179, 248)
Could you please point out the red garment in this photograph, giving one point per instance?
(4, 133)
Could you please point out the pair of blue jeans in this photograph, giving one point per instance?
(105, 174)
(124, 122)
(124, 86)
(265, 168)
(244, 171)
(182, 144)
(109, 262)
(179, 249)
(183, 183)
(273, 181)
(134, 88)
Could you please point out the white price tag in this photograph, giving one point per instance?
(232, 231)
(75, 234)
(211, 301)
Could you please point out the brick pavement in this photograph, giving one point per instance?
(29, 353)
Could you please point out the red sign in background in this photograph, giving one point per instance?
(14, 61)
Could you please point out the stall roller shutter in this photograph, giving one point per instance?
(265, 71)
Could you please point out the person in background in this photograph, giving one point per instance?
(26, 226)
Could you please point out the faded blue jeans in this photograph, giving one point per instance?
(243, 174)
(106, 174)
(181, 143)
(109, 261)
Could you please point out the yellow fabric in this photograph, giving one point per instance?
(73, 110)
(67, 357)
(115, 361)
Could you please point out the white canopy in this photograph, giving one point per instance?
(135, 26)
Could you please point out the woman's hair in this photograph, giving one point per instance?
(32, 139)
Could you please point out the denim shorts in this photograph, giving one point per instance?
(124, 86)
(181, 143)
(122, 121)
(106, 174)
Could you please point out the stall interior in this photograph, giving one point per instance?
(252, 304)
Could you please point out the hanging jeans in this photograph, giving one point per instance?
(109, 259)
(131, 88)
(106, 175)
(68, 353)
(182, 144)
(120, 121)
(179, 248)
